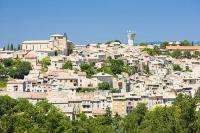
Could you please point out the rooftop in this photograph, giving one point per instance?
(57, 35)
(183, 47)
(36, 41)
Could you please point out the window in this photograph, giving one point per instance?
(86, 106)
(15, 88)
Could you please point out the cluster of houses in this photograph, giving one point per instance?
(60, 86)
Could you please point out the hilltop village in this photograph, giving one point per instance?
(89, 79)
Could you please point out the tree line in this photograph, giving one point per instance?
(164, 44)
(175, 54)
(12, 47)
(21, 116)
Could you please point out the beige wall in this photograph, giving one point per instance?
(15, 87)
(35, 47)
(119, 106)
(55, 43)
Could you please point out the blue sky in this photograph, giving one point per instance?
(88, 21)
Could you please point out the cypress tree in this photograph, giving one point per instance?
(8, 47)
(11, 46)
(19, 47)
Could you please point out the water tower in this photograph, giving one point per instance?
(131, 37)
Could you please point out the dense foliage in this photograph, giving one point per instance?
(154, 51)
(110, 66)
(88, 68)
(46, 61)
(177, 67)
(14, 68)
(116, 66)
(143, 44)
(22, 116)
(67, 65)
(3, 82)
(80, 89)
(104, 86)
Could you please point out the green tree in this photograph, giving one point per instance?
(67, 65)
(185, 43)
(153, 52)
(11, 47)
(116, 66)
(98, 45)
(129, 69)
(19, 47)
(20, 69)
(12, 72)
(85, 66)
(133, 120)
(18, 115)
(187, 106)
(2, 71)
(85, 89)
(3, 76)
(164, 44)
(46, 61)
(156, 50)
(108, 116)
(104, 86)
(23, 68)
(197, 94)
(8, 62)
(143, 44)
(88, 68)
(146, 69)
(177, 67)
(196, 54)
(118, 41)
(176, 54)
(8, 47)
(117, 124)
(56, 53)
(187, 54)
(161, 119)
(6, 105)
(105, 69)
(90, 72)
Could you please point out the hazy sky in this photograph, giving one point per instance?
(88, 21)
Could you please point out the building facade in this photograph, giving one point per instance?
(56, 42)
